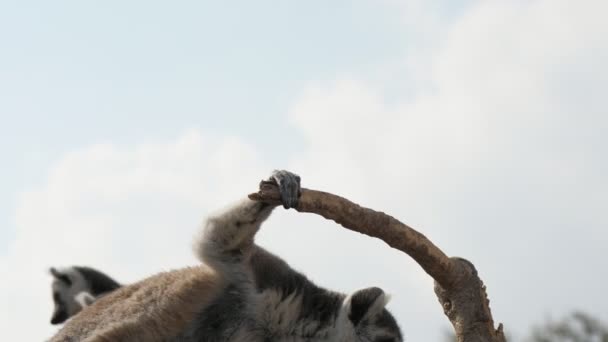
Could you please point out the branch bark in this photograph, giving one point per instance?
(458, 287)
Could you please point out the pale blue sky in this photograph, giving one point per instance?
(75, 73)
(482, 123)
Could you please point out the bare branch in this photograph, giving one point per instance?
(457, 285)
(372, 223)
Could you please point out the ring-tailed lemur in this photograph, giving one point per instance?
(75, 288)
(243, 294)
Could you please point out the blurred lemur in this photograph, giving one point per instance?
(242, 293)
(77, 287)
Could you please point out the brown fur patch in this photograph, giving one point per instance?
(154, 309)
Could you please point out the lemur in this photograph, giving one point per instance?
(241, 293)
(77, 287)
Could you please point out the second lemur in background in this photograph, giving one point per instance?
(77, 287)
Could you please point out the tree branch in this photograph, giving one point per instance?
(457, 285)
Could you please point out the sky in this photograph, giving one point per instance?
(480, 123)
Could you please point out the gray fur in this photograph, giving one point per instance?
(256, 296)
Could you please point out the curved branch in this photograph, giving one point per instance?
(457, 285)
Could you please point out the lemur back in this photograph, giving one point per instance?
(241, 293)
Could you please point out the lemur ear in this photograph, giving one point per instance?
(60, 276)
(365, 303)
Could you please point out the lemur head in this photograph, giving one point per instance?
(369, 319)
(75, 288)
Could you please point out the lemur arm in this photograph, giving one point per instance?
(227, 237)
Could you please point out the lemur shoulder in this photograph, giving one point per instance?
(241, 293)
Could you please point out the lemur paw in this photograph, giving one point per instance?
(289, 187)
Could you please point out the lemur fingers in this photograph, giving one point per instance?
(289, 187)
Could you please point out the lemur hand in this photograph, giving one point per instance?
(289, 187)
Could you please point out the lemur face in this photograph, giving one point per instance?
(60, 313)
(75, 288)
(71, 293)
